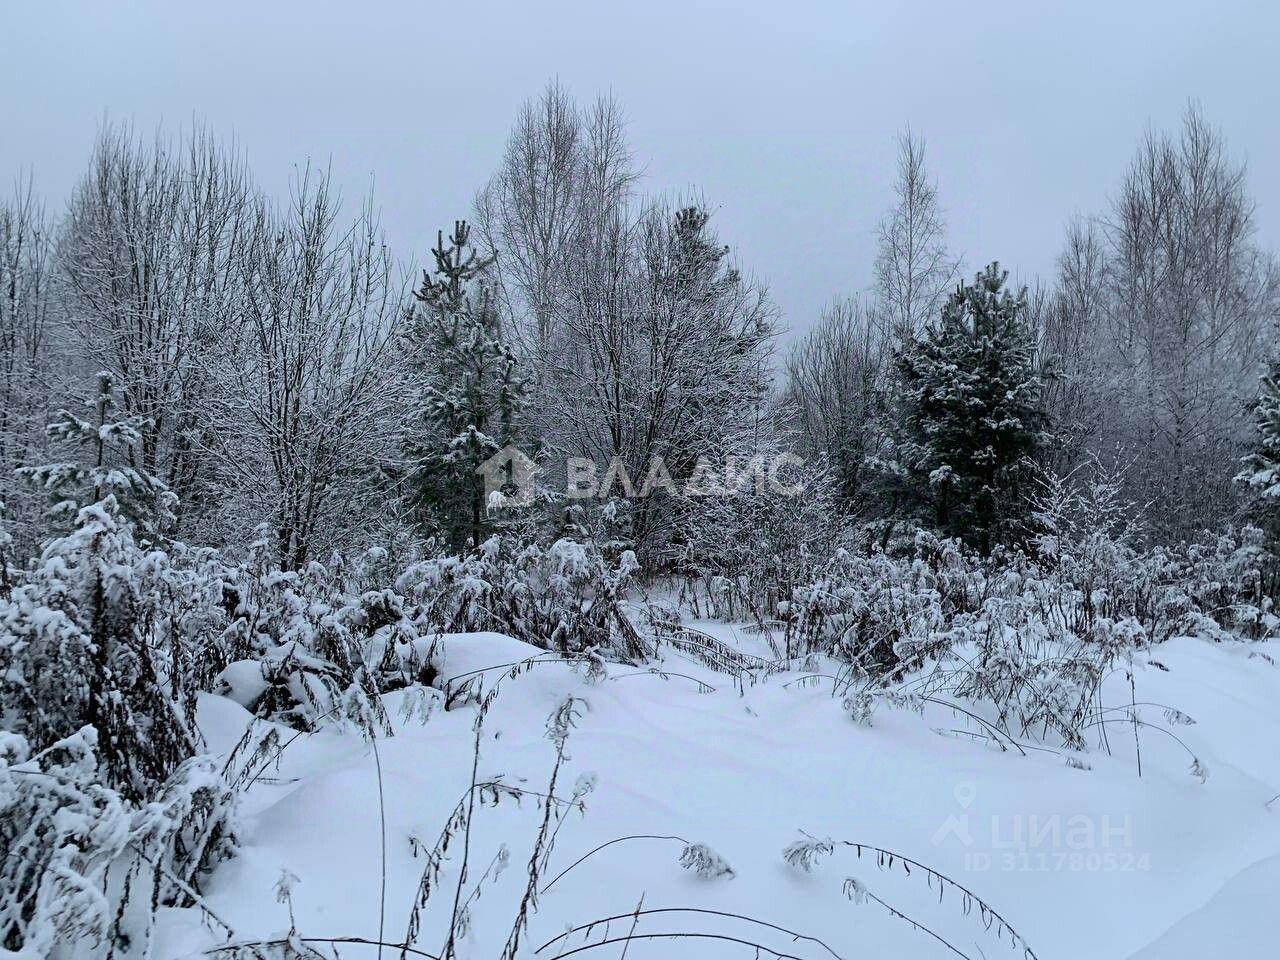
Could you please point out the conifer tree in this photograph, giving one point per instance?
(108, 445)
(972, 424)
(1261, 467)
(470, 390)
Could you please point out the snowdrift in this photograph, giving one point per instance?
(1081, 857)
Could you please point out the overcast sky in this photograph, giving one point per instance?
(782, 114)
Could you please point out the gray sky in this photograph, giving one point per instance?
(781, 114)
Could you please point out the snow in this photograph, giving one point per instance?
(1239, 920)
(242, 682)
(466, 654)
(1090, 862)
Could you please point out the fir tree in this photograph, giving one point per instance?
(1261, 467)
(108, 446)
(972, 424)
(470, 390)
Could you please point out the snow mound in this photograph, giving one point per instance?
(462, 655)
(242, 682)
(1240, 920)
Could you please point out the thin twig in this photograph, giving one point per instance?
(715, 913)
(609, 843)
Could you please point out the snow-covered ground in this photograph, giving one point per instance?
(1083, 862)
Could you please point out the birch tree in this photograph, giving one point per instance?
(1075, 370)
(645, 339)
(528, 213)
(913, 271)
(669, 360)
(1192, 304)
(835, 393)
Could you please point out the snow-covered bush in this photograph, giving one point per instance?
(1224, 579)
(1090, 542)
(62, 828)
(83, 864)
(563, 597)
(7, 571)
(299, 646)
(739, 555)
(1037, 677)
(1025, 641)
(877, 609)
(1089, 538)
(91, 636)
(936, 622)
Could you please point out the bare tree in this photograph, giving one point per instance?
(26, 346)
(834, 393)
(665, 355)
(1072, 339)
(912, 270)
(644, 338)
(594, 273)
(528, 212)
(1192, 303)
(308, 404)
(148, 254)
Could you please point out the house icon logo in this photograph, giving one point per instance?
(509, 474)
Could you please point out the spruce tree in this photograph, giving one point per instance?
(1261, 467)
(107, 446)
(971, 423)
(469, 389)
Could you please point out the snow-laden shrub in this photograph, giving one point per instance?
(1037, 678)
(1025, 641)
(1090, 544)
(8, 574)
(564, 597)
(740, 554)
(936, 622)
(310, 640)
(879, 610)
(62, 828)
(1224, 579)
(85, 865)
(101, 633)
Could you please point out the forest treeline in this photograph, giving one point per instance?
(224, 360)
